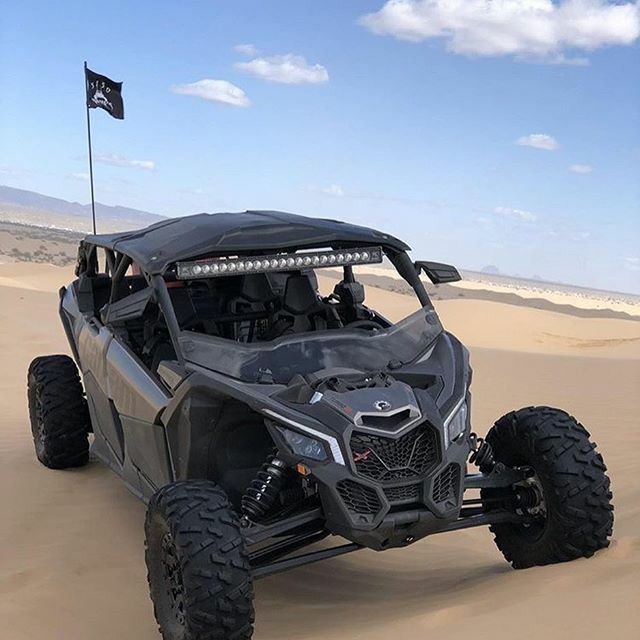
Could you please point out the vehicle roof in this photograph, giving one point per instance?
(160, 244)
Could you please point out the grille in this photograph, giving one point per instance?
(406, 493)
(445, 486)
(358, 498)
(385, 459)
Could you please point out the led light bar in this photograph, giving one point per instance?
(213, 267)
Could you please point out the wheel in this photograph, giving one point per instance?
(198, 569)
(572, 514)
(58, 412)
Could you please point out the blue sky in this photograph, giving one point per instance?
(510, 139)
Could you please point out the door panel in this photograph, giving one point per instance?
(135, 393)
(93, 344)
(147, 454)
(108, 442)
(125, 402)
(138, 401)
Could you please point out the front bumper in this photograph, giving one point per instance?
(383, 510)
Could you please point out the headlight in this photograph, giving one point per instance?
(455, 424)
(303, 446)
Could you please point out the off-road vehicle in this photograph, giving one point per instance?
(257, 417)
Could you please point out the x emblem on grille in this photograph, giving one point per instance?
(361, 455)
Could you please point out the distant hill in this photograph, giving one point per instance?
(491, 270)
(31, 208)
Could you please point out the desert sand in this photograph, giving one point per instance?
(71, 542)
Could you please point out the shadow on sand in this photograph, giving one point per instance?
(345, 594)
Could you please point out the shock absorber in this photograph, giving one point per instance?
(264, 489)
(483, 456)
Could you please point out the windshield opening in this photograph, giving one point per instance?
(261, 307)
(301, 321)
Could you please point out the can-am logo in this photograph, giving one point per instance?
(382, 405)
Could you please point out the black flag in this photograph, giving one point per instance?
(103, 93)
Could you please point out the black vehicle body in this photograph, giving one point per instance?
(170, 403)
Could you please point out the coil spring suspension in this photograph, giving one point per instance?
(483, 456)
(264, 489)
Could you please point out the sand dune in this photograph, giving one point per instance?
(474, 284)
(25, 275)
(71, 564)
(480, 323)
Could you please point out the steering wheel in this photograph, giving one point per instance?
(367, 325)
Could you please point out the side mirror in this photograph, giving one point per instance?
(438, 272)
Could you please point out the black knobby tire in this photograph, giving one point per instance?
(58, 412)
(578, 514)
(198, 569)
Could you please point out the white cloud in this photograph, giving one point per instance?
(562, 60)
(333, 190)
(246, 49)
(193, 191)
(214, 91)
(118, 161)
(84, 177)
(632, 264)
(538, 141)
(515, 214)
(6, 170)
(287, 69)
(581, 168)
(540, 29)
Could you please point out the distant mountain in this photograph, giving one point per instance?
(491, 270)
(29, 207)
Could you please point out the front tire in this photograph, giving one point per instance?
(198, 569)
(58, 412)
(575, 518)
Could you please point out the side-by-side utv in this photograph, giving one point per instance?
(257, 417)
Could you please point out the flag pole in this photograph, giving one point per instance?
(93, 202)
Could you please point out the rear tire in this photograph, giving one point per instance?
(578, 514)
(198, 569)
(58, 412)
